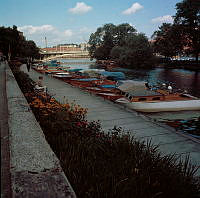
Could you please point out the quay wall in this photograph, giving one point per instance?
(35, 169)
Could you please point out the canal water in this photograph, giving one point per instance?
(178, 78)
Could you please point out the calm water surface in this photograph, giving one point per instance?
(179, 78)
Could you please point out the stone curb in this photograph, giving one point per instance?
(35, 169)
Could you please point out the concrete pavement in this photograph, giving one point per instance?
(5, 149)
(34, 168)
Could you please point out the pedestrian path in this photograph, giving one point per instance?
(29, 167)
(5, 150)
(110, 114)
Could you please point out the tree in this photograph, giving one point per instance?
(167, 40)
(12, 42)
(116, 52)
(109, 36)
(102, 53)
(121, 43)
(6, 39)
(122, 32)
(30, 50)
(104, 38)
(188, 19)
(95, 41)
(137, 52)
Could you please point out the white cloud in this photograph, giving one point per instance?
(68, 33)
(80, 8)
(134, 8)
(163, 19)
(54, 36)
(36, 29)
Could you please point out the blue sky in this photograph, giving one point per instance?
(71, 21)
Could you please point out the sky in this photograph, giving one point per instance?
(73, 21)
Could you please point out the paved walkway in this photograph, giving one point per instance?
(110, 115)
(29, 168)
(5, 150)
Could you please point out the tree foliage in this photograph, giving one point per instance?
(181, 37)
(167, 40)
(188, 19)
(14, 43)
(121, 43)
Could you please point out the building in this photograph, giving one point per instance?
(66, 48)
(84, 46)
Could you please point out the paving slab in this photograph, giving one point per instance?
(180, 147)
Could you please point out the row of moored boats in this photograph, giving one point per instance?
(139, 96)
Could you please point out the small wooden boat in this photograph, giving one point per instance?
(109, 96)
(101, 89)
(62, 75)
(92, 82)
(53, 71)
(146, 100)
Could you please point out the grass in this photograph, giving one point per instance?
(111, 164)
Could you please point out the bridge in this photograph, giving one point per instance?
(49, 55)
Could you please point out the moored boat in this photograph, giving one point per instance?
(142, 99)
(109, 96)
(62, 75)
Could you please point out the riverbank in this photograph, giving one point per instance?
(172, 64)
(182, 64)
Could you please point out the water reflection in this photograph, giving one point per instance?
(183, 79)
(178, 78)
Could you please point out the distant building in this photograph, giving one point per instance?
(68, 45)
(84, 46)
(66, 48)
(21, 34)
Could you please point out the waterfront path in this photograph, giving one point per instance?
(29, 168)
(111, 114)
(5, 150)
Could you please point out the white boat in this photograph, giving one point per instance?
(141, 99)
(62, 75)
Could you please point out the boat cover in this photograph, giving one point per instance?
(114, 75)
(137, 88)
(74, 70)
(85, 79)
(108, 86)
(91, 72)
(129, 85)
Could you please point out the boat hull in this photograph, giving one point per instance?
(160, 106)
